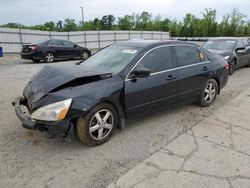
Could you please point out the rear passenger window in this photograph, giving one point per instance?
(187, 55)
(157, 60)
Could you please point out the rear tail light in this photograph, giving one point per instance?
(33, 48)
(226, 66)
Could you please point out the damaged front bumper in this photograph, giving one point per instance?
(52, 128)
(27, 122)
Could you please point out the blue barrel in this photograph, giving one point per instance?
(1, 51)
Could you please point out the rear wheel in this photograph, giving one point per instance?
(49, 57)
(84, 55)
(97, 126)
(209, 93)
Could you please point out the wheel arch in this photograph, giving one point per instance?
(218, 83)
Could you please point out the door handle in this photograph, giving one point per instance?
(204, 68)
(170, 77)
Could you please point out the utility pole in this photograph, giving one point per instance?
(82, 19)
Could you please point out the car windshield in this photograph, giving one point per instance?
(112, 59)
(220, 44)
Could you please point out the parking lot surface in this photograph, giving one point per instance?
(29, 159)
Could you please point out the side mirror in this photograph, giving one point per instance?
(140, 73)
(75, 46)
(240, 50)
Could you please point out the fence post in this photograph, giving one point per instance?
(20, 35)
(99, 42)
(85, 39)
(129, 37)
(115, 36)
(141, 34)
(68, 35)
(50, 34)
(152, 35)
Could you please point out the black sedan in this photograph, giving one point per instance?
(122, 81)
(52, 50)
(235, 50)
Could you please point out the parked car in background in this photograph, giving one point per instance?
(120, 82)
(51, 50)
(235, 50)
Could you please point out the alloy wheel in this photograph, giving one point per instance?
(210, 92)
(49, 57)
(84, 55)
(101, 124)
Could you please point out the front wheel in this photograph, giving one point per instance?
(232, 67)
(49, 57)
(84, 55)
(209, 93)
(97, 126)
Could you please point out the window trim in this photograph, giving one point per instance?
(176, 68)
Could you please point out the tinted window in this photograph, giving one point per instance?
(55, 43)
(187, 55)
(159, 59)
(68, 44)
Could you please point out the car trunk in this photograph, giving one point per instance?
(26, 49)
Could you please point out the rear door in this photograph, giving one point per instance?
(57, 47)
(159, 89)
(193, 71)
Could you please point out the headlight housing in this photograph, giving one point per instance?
(226, 57)
(52, 112)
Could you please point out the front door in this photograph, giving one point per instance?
(159, 89)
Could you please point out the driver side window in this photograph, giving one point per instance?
(159, 59)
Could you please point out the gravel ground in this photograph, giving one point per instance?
(29, 159)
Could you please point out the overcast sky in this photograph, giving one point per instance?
(31, 12)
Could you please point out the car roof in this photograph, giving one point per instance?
(152, 43)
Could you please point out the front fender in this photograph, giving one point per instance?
(87, 96)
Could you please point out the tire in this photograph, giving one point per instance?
(49, 57)
(232, 66)
(84, 55)
(208, 93)
(101, 129)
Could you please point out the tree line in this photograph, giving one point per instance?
(232, 24)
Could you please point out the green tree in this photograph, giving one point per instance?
(69, 25)
(208, 23)
(107, 22)
(126, 22)
(50, 26)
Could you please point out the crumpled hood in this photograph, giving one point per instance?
(52, 77)
(220, 52)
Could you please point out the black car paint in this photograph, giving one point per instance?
(60, 52)
(129, 97)
(237, 55)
